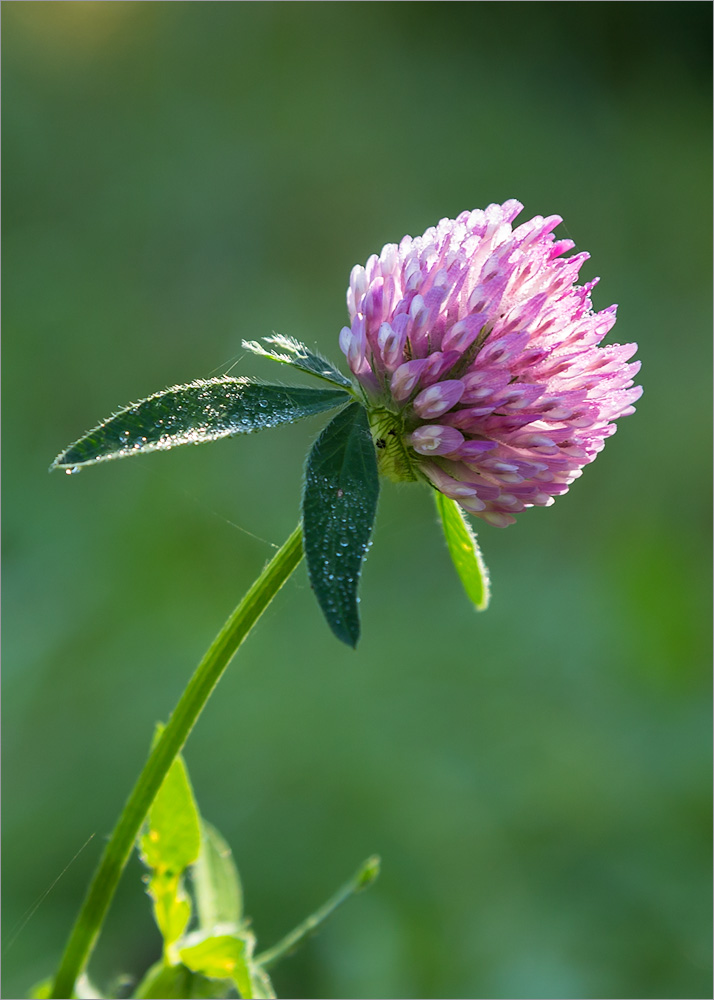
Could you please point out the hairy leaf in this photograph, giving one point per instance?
(292, 352)
(339, 507)
(204, 410)
(464, 551)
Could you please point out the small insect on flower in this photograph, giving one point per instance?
(478, 359)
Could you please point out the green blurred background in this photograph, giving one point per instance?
(182, 175)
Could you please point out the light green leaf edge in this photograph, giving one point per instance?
(464, 551)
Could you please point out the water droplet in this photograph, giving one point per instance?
(73, 471)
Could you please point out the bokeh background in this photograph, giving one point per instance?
(178, 176)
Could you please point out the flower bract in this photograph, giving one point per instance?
(478, 358)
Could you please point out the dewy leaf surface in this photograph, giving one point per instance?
(292, 352)
(464, 551)
(200, 411)
(339, 507)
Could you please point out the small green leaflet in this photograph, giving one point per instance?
(216, 883)
(170, 842)
(176, 982)
(204, 410)
(228, 956)
(299, 356)
(464, 551)
(339, 507)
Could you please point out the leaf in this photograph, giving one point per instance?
(172, 909)
(464, 551)
(299, 356)
(204, 410)
(225, 956)
(176, 982)
(216, 882)
(172, 839)
(339, 507)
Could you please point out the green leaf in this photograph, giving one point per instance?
(172, 909)
(216, 882)
(464, 551)
(299, 356)
(172, 839)
(204, 410)
(339, 507)
(176, 982)
(225, 956)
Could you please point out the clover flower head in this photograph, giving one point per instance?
(478, 358)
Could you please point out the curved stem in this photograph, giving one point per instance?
(209, 671)
(362, 878)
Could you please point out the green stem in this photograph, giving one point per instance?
(363, 877)
(118, 850)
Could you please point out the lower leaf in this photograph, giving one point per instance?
(338, 510)
(464, 551)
